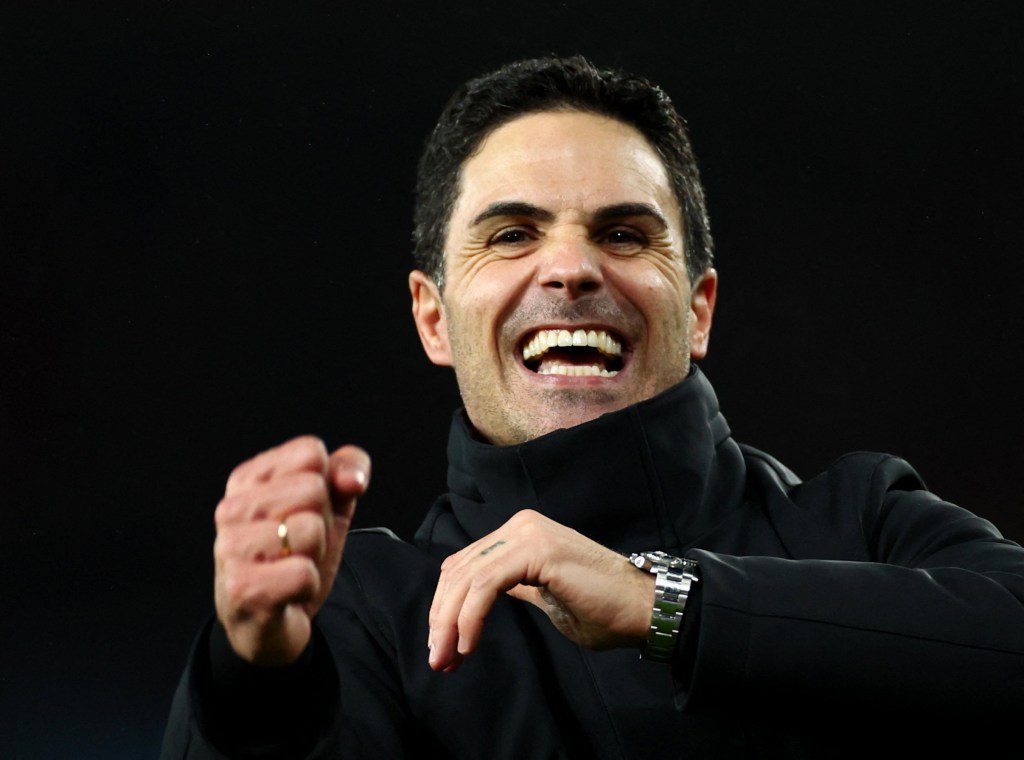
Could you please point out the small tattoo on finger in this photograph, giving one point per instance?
(491, 547)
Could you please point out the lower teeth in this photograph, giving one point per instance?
(577, 371)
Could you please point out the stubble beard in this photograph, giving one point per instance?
(506, 412)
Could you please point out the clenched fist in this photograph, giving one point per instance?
(267, 588)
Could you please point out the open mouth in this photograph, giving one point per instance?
(577, 353)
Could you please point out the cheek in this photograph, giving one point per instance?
(482, 300)
(492, 289)
(658, 292)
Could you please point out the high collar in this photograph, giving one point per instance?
(657, 474)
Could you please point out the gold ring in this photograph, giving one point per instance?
(282, 533)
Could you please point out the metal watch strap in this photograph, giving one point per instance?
(674, 576)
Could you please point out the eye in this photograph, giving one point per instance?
(511, 236)
(623, 237)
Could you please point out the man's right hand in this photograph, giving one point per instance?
(266, 598)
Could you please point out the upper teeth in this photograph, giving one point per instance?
(545, 339)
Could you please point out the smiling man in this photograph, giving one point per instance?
(598, 506)
(566, 287)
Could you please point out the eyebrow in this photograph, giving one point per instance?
(513, 208)
(603, 214)
(620, 210)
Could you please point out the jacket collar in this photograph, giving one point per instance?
(657, 474)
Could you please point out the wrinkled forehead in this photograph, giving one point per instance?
(565, 162)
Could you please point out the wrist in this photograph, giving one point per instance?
(642, 610)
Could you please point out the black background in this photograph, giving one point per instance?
(204, 229)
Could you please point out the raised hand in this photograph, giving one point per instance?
(591, 594)
(271, 580)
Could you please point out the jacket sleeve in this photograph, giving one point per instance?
(343, 698)
(931, 620)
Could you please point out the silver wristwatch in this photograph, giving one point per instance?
(673, 578)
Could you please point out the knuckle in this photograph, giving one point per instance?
(525, 518)
(309, 444)
(480, 580)
(235, 591)
(227, 511)
(310, 449)
(222, 546)
(531, 530)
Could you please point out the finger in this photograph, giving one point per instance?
(289, 493)
(439, 591)
(262, 589)
(450, 563)
(306, 453)
(260, 541)
(487, 584)
(349, 477)
(443, 629)
(476, 576)
(480, 547)
(456, 562)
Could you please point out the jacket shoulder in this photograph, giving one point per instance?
(830, 515)
(865, 477)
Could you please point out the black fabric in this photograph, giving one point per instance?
(852, 614)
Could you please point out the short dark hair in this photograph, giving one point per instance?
(483, 104)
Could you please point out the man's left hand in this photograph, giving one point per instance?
(590, 593)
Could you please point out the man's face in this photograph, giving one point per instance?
(565, 226)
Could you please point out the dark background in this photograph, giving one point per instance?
(204, 230)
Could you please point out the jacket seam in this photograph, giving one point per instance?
(656, 493)
(870, 547)
(529, 479)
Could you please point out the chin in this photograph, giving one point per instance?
(550, 419)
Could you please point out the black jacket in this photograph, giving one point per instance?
(852, 612)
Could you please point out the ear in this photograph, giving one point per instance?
(702, 309)
(428, 314)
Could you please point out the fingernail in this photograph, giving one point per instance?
(360, 477)
(462, 645)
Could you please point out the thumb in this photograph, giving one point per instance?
(348, 474)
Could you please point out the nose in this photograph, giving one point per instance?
(572, 265)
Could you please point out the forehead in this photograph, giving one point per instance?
(564, 160)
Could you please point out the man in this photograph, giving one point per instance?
(565, 274)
